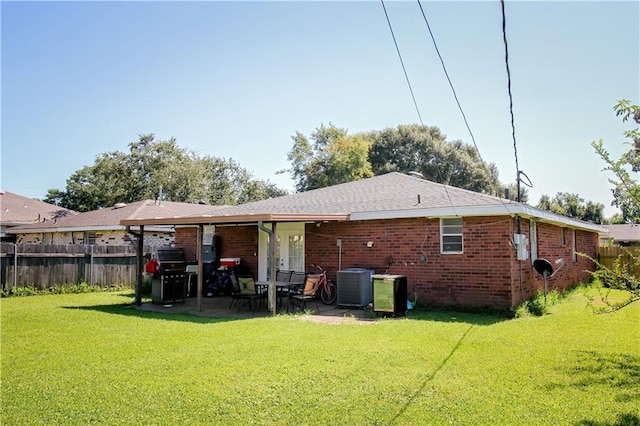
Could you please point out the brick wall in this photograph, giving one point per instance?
(487, 273)
(480, 276)
(551, 247)
(115, 237)
(242, 242)
(187, 238)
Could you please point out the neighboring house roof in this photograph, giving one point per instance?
(17, 210)
(622, 233)
(389, 196)
(110, 218)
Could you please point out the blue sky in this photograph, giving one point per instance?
(238, 79)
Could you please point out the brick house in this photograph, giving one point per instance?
(626, 235)
(17, 210)
(102, 226)
(456, 247)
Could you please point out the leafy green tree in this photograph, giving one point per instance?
(513, 193)
(155, 167)
(626, 191)
(425, 149)
(626, 194)
(331, 157)
(572, 205)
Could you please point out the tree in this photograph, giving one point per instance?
(572, 205)
(513, 193)
(425, 149)
(155, 167)
(626, 196)
(330, 158)
(626, 191)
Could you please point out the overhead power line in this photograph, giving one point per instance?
(464, 117)
(513, 126)
(402, 62)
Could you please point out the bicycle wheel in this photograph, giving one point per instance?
(329, 293)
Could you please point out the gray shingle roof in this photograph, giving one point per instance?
(388, 196)
(17, 210)
(622, 232)
(388, 192)
(112, 216)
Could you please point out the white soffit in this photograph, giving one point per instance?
(488, 210)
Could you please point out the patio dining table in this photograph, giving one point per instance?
(282, 288)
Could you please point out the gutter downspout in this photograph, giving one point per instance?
(272, 267)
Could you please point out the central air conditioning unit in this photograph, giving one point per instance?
(354, 287)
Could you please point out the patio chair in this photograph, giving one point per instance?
(236, 292)
(299, 298)
(298, 277)
(283, 275)
(292, 277)
(249, 292)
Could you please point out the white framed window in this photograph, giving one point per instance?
(451, 240)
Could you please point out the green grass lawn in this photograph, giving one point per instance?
(90, 358)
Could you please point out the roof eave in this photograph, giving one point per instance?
(504, 209)
(226, 219)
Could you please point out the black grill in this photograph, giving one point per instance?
(171, 259)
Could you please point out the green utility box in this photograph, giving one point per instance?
(389, 294)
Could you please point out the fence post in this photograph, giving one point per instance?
(91, 268)
(15, 266)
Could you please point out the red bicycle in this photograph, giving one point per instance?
(327, 288)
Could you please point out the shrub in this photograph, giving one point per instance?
(58, 289)
(537, 305)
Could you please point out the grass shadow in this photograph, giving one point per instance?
(452, 315)
(133, 311)
(617, 371)
(628, 419)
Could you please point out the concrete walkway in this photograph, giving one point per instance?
(219, 307)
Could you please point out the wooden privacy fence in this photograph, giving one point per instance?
(608, 255)
(44, 266)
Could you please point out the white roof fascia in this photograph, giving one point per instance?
(504, 209)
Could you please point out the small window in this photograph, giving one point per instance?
(574, 255)
(451, 235)
(562, 239)
(90, 238)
